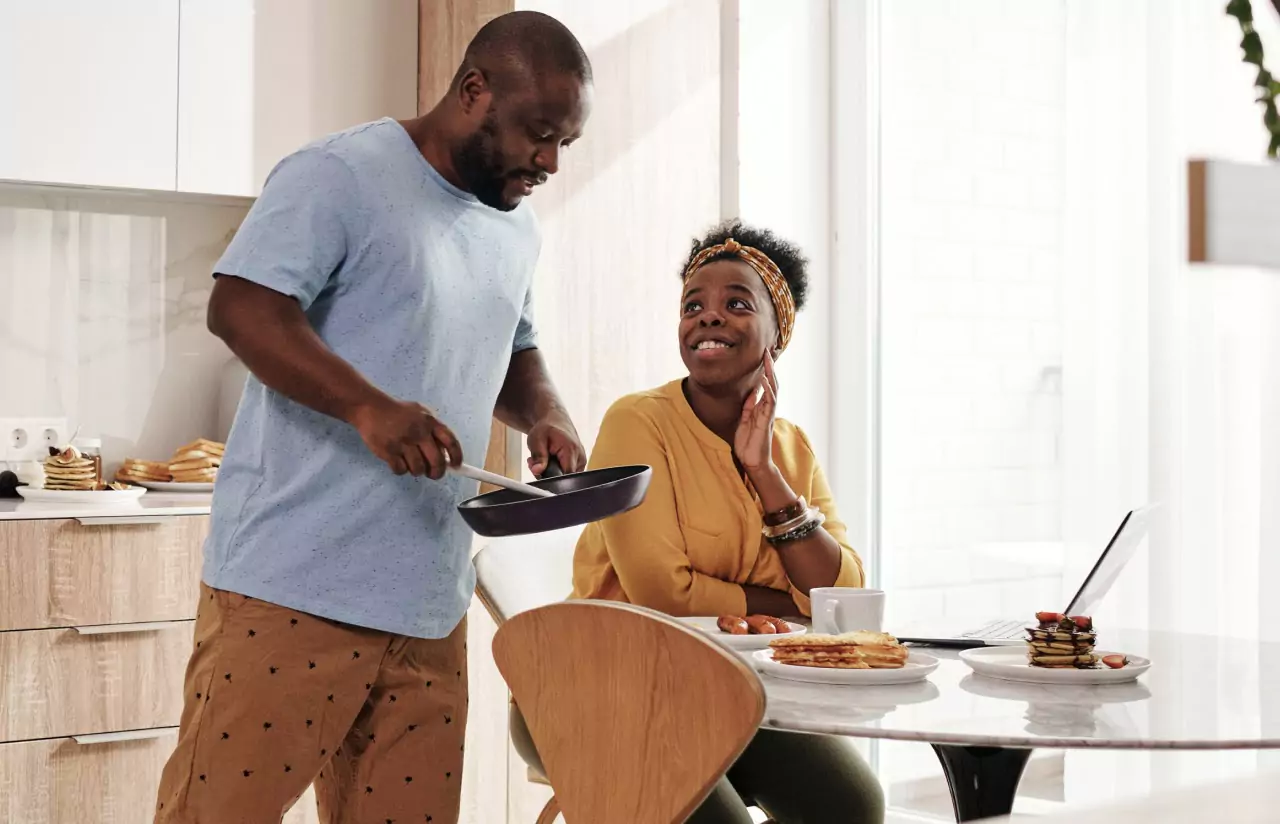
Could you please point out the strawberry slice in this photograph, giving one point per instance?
(1083, 622)
(1115, 661)
(1050, 617)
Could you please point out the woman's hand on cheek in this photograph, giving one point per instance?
(753, 441)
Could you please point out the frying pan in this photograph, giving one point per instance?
(580, 498)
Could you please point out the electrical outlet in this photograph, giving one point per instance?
(29, 439)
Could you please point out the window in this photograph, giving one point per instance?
(1044, 357)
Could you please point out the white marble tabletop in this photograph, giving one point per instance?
(150, 505)
(1201, 693)
(1251, 801)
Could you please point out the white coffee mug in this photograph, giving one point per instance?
(846, 609)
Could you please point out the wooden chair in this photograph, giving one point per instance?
(635, 715)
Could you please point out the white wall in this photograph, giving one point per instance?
(102, 304)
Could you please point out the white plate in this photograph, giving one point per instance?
(917, 668)
(173, 486)
(1010, 664)
(739, 642)
(75, 496)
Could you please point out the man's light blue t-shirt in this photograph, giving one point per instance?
(426, 292)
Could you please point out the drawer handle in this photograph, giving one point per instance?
(127, 735)
(124, 520)
(119, 629)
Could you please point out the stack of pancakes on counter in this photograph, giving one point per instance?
(851, 650)
(70, 471)
(1059, 642)
(197, 462)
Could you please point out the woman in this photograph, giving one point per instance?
(726, 474)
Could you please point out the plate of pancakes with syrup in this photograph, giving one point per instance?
(1060, 649)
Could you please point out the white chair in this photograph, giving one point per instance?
(514, 575)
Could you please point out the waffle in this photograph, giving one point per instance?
(851, 650)
(197, 462)
(134, 470)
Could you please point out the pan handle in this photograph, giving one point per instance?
(553, 470)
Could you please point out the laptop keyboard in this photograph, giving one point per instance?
(998, 630)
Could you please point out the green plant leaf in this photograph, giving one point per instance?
(1242, 9)
(1273, 150)
(1252, 45)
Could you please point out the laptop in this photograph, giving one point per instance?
(1124, 543)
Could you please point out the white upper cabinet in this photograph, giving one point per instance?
(89, 92)
(260, 78)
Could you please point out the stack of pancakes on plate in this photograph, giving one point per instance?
(1059, 642)
(70, 471)
(850, 650)
(196, 462)
(134, 471)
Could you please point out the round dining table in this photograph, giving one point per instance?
(1201, 693)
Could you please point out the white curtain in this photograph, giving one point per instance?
(1170, 371)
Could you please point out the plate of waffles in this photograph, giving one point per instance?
(853, 659)
(1011, 664)
(193, 467)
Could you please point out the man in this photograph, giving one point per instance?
(378, 291)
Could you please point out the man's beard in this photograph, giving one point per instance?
(477, 163)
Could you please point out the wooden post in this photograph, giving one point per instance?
(445, 27)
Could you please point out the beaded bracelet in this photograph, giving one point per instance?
(803, 531)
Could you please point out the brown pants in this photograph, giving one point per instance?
(276, 700)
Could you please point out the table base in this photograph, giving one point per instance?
(983, 780)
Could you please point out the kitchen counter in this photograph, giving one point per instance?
(151, 505)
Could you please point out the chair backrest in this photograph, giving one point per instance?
(520, 573)
(635, 715)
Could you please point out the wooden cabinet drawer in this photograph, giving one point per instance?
(65, 782)
(61, 573)
(59, 682)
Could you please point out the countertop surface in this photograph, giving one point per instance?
(151, 505)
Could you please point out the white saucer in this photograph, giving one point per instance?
(1010, 664)
(917, 668)
(739, 642)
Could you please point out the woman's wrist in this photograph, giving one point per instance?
(768, 601)
(771, 488)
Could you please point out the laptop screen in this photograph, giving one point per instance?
(1104, 573)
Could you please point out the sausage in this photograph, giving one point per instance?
(780, 625)
(733, 625)
(761, 625)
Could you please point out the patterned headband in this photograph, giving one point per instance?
(784, 304)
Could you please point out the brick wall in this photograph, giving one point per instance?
(972, 98)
